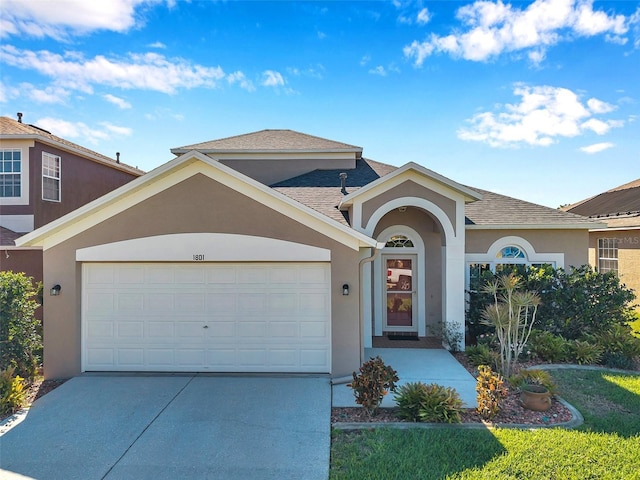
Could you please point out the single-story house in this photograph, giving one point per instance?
(615, 245)
(277, 251)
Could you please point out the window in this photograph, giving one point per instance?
(511, 252)
(608, 255)
(399, 241)
(50, 177)
(10, 173)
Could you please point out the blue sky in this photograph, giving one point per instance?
(536, 100)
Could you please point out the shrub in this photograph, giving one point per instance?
(548, 347)
(20, 340)
(534, 376)
(491, 391)
(481, 355)
(419, 402)
(409, 397)
(512, 314)
(574, 302)
(620, 347)
(373, 382)
(584, 353)
(12, 392)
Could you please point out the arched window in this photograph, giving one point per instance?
(399, 241)
(511, 252)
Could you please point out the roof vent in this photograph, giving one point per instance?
(19, 117)
(117, 157)
(343, 183)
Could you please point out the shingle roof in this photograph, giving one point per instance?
(270, 140)
(321, 189)
(622, 200)
(10, 128)
(8, 237)
(495, 209)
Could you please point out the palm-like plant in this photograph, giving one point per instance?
(513, 314)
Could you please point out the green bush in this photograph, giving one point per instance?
(548, 347)
(491, 391)
(373, 382)
(408, 398)
(481, 355)
(12, 392)
(20, 340)
(621, 348)
(428, 403)
(583, 352)
(574, 302)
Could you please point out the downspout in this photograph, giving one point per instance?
(378, 248)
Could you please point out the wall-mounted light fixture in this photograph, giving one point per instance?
(345, 289)
(55, 290)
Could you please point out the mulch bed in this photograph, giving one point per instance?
(511, 411)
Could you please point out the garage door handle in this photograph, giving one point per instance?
(206, 326)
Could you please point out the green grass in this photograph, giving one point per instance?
(607, 446)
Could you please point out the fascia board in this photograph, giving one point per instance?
(539, 226)
(403, 173)
(171, 173)
(613, 229)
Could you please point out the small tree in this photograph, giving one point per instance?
(373, 382)
(512, 314)
(20, 341)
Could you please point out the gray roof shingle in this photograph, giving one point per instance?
(270, 140)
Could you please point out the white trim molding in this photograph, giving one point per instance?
(524, 245)
(203, 247)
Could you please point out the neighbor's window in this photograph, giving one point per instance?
(399, 241)
(607, 255)
(50, 177)
(10, 172)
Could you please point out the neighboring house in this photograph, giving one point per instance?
(43, 177)
(277, 251)
(616, 245)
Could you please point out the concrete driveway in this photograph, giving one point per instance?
(169, 427)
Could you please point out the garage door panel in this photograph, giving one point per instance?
(207, 317)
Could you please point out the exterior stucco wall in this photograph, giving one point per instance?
(628, 242)
(573, 243)
(409, 189)
(432, 237)
(197, 204)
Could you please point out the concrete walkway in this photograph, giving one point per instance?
(168, 427)
(413, 365)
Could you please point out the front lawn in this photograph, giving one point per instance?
(607, 446)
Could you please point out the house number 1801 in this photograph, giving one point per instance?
(198, 257)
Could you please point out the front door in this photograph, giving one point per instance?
(401, 283)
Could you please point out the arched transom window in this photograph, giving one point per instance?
(399, 241)
(511, 252)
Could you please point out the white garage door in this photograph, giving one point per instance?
(220, 317)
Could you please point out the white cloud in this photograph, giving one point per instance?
(597, 106)
(364, 60)
(80, 130)
(543, 115)
(119, 102)
(60, 19)
(423, 17)
(240, 79)
(271, 78)
(148, 71)
(597, 147)
(490, 29)
(379, 70)
(157, 45)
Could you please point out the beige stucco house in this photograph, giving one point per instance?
(615, 245)
(277, 251)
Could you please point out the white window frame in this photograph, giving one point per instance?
(51, 157)
(23, 199)
(611, 248)
(556, 260)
